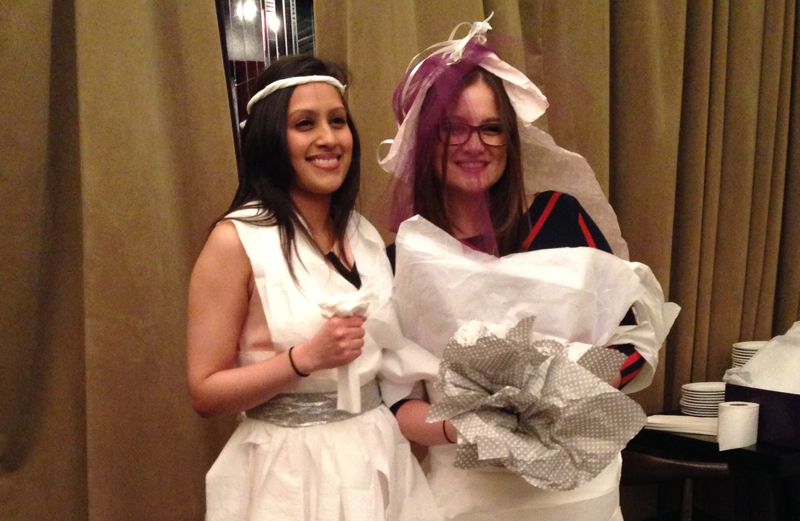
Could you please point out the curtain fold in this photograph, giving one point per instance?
(575, 64)
(118, 155)
(24, 136)
(733, 184)
(787, 297)
(647, 46)
(41, 374)
(690, 228)
(737, 176)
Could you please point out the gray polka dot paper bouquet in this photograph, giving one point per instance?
(520, 401)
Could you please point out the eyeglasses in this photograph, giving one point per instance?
(490, 134)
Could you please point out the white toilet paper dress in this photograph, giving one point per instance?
(299, 464)
(578, 295)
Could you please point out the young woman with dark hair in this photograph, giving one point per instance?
(267, 172)
(290, 321)
(467, 159)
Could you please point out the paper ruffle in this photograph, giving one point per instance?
(580, 295)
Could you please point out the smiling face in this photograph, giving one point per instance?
(473, 167)
(320, 142)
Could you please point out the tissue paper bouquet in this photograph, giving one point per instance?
(532, 398)
(523, 404)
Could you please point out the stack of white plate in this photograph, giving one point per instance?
(744, 351)
(702, 398)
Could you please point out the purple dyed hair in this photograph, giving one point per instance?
(418, 189)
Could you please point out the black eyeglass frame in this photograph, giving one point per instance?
(446, 135)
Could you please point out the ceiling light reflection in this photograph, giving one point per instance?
(246, 11)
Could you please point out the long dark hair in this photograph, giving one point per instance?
(266, 173)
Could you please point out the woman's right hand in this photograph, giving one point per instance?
(338, 342)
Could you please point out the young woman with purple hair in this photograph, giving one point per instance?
(467, 159)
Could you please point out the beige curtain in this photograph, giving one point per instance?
(735, 261)
(688, 112)
(117, 155)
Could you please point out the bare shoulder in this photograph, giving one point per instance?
(225, 237)
(223, 254)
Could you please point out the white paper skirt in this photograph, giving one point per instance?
(359, 469)
(492, 494)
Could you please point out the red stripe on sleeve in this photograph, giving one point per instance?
(540, 222)
(586, 233)
(628, 378)
(630, 361)
(635, 357)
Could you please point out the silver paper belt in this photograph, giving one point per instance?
(305, 409)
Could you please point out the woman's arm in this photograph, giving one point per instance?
(218, 301)
(411, 417)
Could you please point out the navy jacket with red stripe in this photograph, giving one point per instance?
(557, 220)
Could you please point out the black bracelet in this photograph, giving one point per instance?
(444, 431)
(291, 361)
